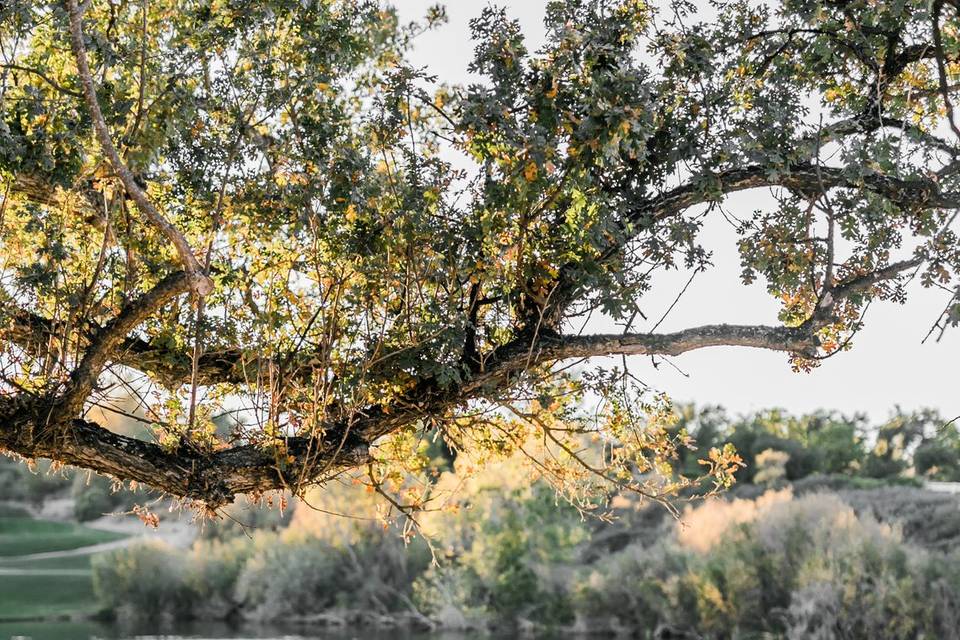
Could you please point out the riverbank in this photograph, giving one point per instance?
(45, 564)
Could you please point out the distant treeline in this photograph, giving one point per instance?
(921, 444)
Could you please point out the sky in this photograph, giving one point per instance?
(887, 366)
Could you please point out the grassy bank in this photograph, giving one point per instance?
(32, 588)
(23, 535)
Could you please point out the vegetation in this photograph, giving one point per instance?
(48, 587)
(93, 495)
(295, 281)
(809, 567)
(24, 535)
(20, 483)
(775, 446)
(41, 596)
(810, 556)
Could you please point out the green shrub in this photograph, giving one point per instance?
(292, 578)
(212, 570)
(95, 496)
(143, 581)
(938, 460)
(509, 554)
(92, 502)
(34, 484)
(637, 588)
(804, 568)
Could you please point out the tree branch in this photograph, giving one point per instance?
(199, 282)
(216, 477)
(788, 339)
(42, 76)
(105, 342)
(911, 194)
(212, 477)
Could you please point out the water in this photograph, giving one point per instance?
(206, 631)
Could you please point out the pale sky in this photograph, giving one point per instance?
(887, 366)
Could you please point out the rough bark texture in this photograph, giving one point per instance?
(45, 427)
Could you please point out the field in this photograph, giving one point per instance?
(23, 535)
(32, 588)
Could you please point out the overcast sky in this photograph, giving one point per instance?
(887, 366)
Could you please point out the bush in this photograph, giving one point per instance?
(938, 460)
(290, 579)
(509, 555)
(96, 496)
(213, 569)
(30, 484)
(802, 568)
(636, 589)
(93, 501)
(143, 581)
(300, 574)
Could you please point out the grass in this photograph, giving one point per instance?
(23, 597)
(21, 536)
(49, 595)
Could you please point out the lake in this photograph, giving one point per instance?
(98, 631)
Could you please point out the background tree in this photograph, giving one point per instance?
(245, 214)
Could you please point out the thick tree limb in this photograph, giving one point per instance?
(199, 282)
(216, 477)
(792, 340)
(212, 477)
(105, 342)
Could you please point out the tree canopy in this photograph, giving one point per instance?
(303, 257)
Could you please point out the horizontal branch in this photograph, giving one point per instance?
(910, 194)
(792, 340)
(212, 477)
(216, 477)
(40, 74)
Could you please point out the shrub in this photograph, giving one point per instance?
(33, 484)
(938, 460)
(92, 501)
(637, 588)
(213, 569)
(771, 467)
(143, 581)
(809, 567)
(294, 578)
(95, 496)
(509, 554)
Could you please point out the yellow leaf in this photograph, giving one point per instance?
(351, 213)
(530, 171)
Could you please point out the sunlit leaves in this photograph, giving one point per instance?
(379, 242)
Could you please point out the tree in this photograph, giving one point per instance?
(246, 212)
